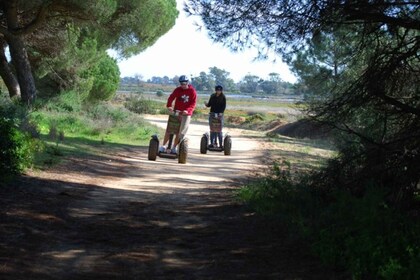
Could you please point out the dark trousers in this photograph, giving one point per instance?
(216, 136)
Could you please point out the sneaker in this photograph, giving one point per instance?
(162, 149)
(173, 151)
(211, 146)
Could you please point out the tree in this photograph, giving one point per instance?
(139, 78)
(273, 85)
(283, 26)
(221, 77)
(106, 79)
(249, 84)
(175, 80)
(360, 61)
(203, 81)
(127, 26)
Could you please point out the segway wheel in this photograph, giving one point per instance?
(227, 144)
(203, 144)
(153, 149)
(183, 151)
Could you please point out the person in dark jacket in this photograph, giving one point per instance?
(217, 104)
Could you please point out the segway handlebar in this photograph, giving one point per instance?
(216, 115)
(173, 112)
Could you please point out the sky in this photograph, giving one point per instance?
(184, 50)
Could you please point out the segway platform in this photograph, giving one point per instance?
(172, 128)
(216, 126)
(167, 155)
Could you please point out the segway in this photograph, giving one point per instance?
(172, 128)
(216, 127)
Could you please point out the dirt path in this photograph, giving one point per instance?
(120, 216)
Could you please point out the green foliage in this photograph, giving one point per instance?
(199, 113)
(69, 101)
(215, 76)
(97, 122)
(74, 56)
(255, 117)
(68, 69)
(359, 68)
(363, 235)
(371, 95)
(17, 146)
(249, 84)
(106, 78)
(141, 105)
(221, 77)
(203, 82)
(101, 124)
(136, 25)
(367, 237)
(269, 194)
(159, 93)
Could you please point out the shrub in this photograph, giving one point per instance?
(367, 237)
(106, 79)
(16, 148)
(141, 105)
(255, 117)
(69, 101)
(159, 93)
(103, 111)
(363, 235)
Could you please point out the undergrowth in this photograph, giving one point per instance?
(363, 235)
(18, 139)
(64, 125)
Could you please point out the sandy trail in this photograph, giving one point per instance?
(121, 216)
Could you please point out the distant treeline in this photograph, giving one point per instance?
(250, 83)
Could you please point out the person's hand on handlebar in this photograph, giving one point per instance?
(170, 109)
(184, 113)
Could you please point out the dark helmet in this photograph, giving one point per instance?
(218, 87)
(183, 78)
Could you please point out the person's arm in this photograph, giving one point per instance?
(223, 107)
(171, 99)
(208, 104)
(192, 103)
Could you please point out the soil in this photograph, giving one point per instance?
(303, 129)
(119, 216)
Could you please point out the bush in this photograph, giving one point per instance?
(16, 148)
(159, 93)
(367, 237)
(141, 105)
(255, 117)
(105, 111)
(69, 101)
(106, 79)
(17, 145)
(363, 235)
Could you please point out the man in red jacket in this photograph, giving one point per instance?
(185, 98)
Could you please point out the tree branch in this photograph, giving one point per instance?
(36, 22)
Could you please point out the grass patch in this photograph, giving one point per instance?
(89, 131)
(303, 154)
(260, 103)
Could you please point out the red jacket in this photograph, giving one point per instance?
(185, 99)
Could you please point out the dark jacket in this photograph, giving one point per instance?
(216, 103)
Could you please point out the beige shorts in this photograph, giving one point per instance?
(185, 123)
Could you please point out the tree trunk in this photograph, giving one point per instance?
(8, 76)
(19, 55)
(23, 70)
